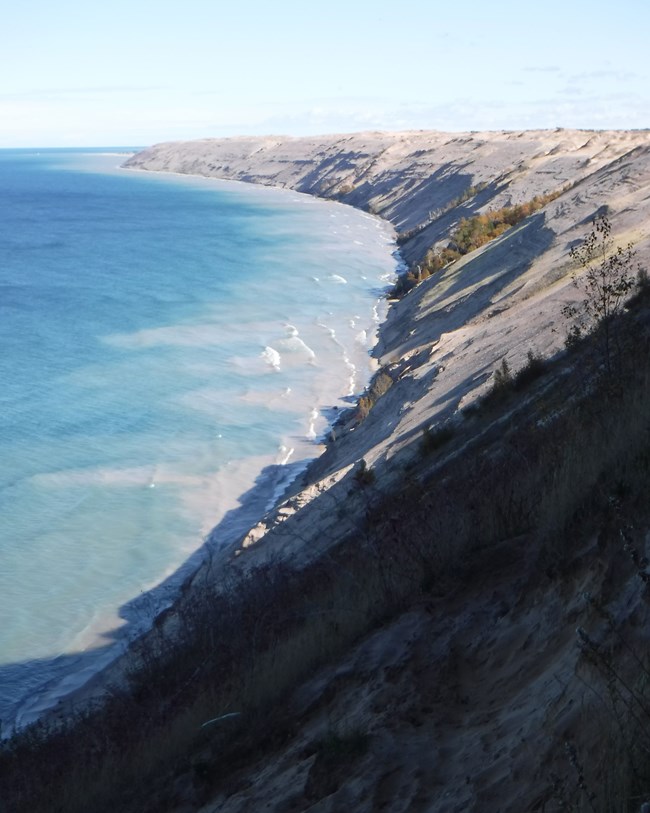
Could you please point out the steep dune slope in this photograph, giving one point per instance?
(408, 178)
(443, 341)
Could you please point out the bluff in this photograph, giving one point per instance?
(422, 182)
(442, 343)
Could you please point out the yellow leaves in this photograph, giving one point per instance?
(474, 232)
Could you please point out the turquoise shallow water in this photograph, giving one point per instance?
(163, 340)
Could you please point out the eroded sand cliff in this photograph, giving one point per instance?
(444, 340)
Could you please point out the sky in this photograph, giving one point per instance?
(135, 73)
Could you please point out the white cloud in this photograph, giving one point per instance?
(542, 69)
(85, 117)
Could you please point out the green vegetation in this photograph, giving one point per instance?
(334, 755)
(534, 368)
(341, 746)
(434, 438)
(471, 233)
(364, 475)
(504, 383)
(468, 194)
(379, 385)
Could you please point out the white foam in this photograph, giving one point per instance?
(272, 357)
(352, 380)
(338, 279)
(294, 344)
(311, 431)
(330, 330)
(284, 455)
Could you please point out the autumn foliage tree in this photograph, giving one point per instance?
(470, 234)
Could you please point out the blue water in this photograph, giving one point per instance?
(163, 340)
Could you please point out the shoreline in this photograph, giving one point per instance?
(62, 696)
(444, 361)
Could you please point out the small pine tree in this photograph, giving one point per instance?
(502, 377)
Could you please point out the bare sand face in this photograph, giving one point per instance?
(445, 339)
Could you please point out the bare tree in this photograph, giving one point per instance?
(607, 280)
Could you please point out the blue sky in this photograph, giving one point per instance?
(134, 73)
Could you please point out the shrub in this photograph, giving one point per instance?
(470, 234)
(531, 371)
(434, 214)
(364, 407)
(435, 438)
(502, 385)
(379, 385)
(336, 747)
(363, 475)
(502, 377)
(642, 292)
